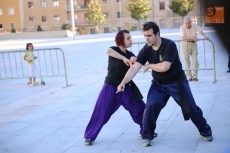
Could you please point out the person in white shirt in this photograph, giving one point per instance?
(188, 32)
(194, 20)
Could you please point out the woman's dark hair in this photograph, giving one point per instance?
(120, 39)
(27, 46)
(151, 25)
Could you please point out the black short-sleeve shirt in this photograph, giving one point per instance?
(117, 66)
(166, 52)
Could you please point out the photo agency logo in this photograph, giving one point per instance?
(215, 15)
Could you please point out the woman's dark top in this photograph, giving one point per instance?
(117, 70)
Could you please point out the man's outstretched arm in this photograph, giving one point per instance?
(129, 76)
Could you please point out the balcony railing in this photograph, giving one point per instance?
(79, 23)
(77, 7)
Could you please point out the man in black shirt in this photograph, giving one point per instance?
(168, 80)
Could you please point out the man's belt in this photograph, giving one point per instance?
(191, 41)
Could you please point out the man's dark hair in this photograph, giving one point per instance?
(151, 25)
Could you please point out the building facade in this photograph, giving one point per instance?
(80, 15)
(10, 16)
(165, 18)
(28, 15)
(48, 14)
(118, 16)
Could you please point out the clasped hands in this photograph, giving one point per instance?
(131, 61)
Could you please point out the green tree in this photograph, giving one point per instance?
(139, 9)
(182, 7)
(95, 14)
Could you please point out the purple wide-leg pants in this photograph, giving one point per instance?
(107, 103)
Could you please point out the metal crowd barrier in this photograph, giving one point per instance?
(208, 56)
(50, 63)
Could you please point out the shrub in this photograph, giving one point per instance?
(39, 28)
(65, 26)
(13, 30)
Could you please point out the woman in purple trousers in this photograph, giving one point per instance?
(108, 102)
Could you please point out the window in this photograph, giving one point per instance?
(162, 23)
(31, 19)
(43, 18)
(1, 26)
(162, 5)
(119, 15)
(0, 11)
(30, 4)
(105, 1)
(86, 15)
(10, 11)
(56, 18)
(106, 15)
(75, 17)
(106, 30)
(74, 2)
(92, 31)
(43, 3)
(86, 2)
(12, 26)
(55, 2)
(119, 1)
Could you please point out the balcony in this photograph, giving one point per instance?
(77, 7)
(80, 23)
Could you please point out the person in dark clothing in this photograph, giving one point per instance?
(108, 102)
(168, 80)
(228, 71)
(222, 29)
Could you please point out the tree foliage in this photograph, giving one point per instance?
(182, 7)
(39, 28)
(139, 9)
(95, 14)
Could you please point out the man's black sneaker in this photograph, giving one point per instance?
(88, 142)
(207, 138)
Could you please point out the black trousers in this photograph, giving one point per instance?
(157, 98)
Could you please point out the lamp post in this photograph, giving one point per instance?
(72, 17)
(121, 15)
(201, 15)
(152, 10)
